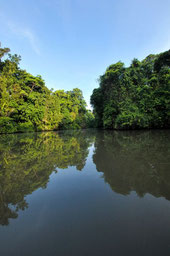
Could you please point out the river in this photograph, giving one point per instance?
(87, 192)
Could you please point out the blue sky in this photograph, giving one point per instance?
(71, 42)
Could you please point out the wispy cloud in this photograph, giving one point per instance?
(25, 33)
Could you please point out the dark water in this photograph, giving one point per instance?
(85, 193)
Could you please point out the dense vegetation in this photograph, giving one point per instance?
(26, 104)
(127, 98)
(134, 97)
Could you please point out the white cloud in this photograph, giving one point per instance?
(25, 33)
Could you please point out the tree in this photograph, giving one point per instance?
(26, 104)
(134, 97)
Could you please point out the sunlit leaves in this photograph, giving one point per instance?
(134, 97)
(26, 104)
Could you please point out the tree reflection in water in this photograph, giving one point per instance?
(130, 161)
(27, 160)
(135, 161)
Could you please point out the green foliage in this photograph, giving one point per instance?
(7, 125)
(3, 51)
(26, 104)
(135, 97)
(163, 60)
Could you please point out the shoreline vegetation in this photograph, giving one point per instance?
(27, 105)
(134, 97)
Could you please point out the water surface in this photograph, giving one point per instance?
(84, 193)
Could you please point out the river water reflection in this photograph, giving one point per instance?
(88, 192)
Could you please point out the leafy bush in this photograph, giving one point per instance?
(7, 125)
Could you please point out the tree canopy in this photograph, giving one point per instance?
(26, 104)
(134, 97)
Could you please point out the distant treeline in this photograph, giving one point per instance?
(26, 104)
(135, 97)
